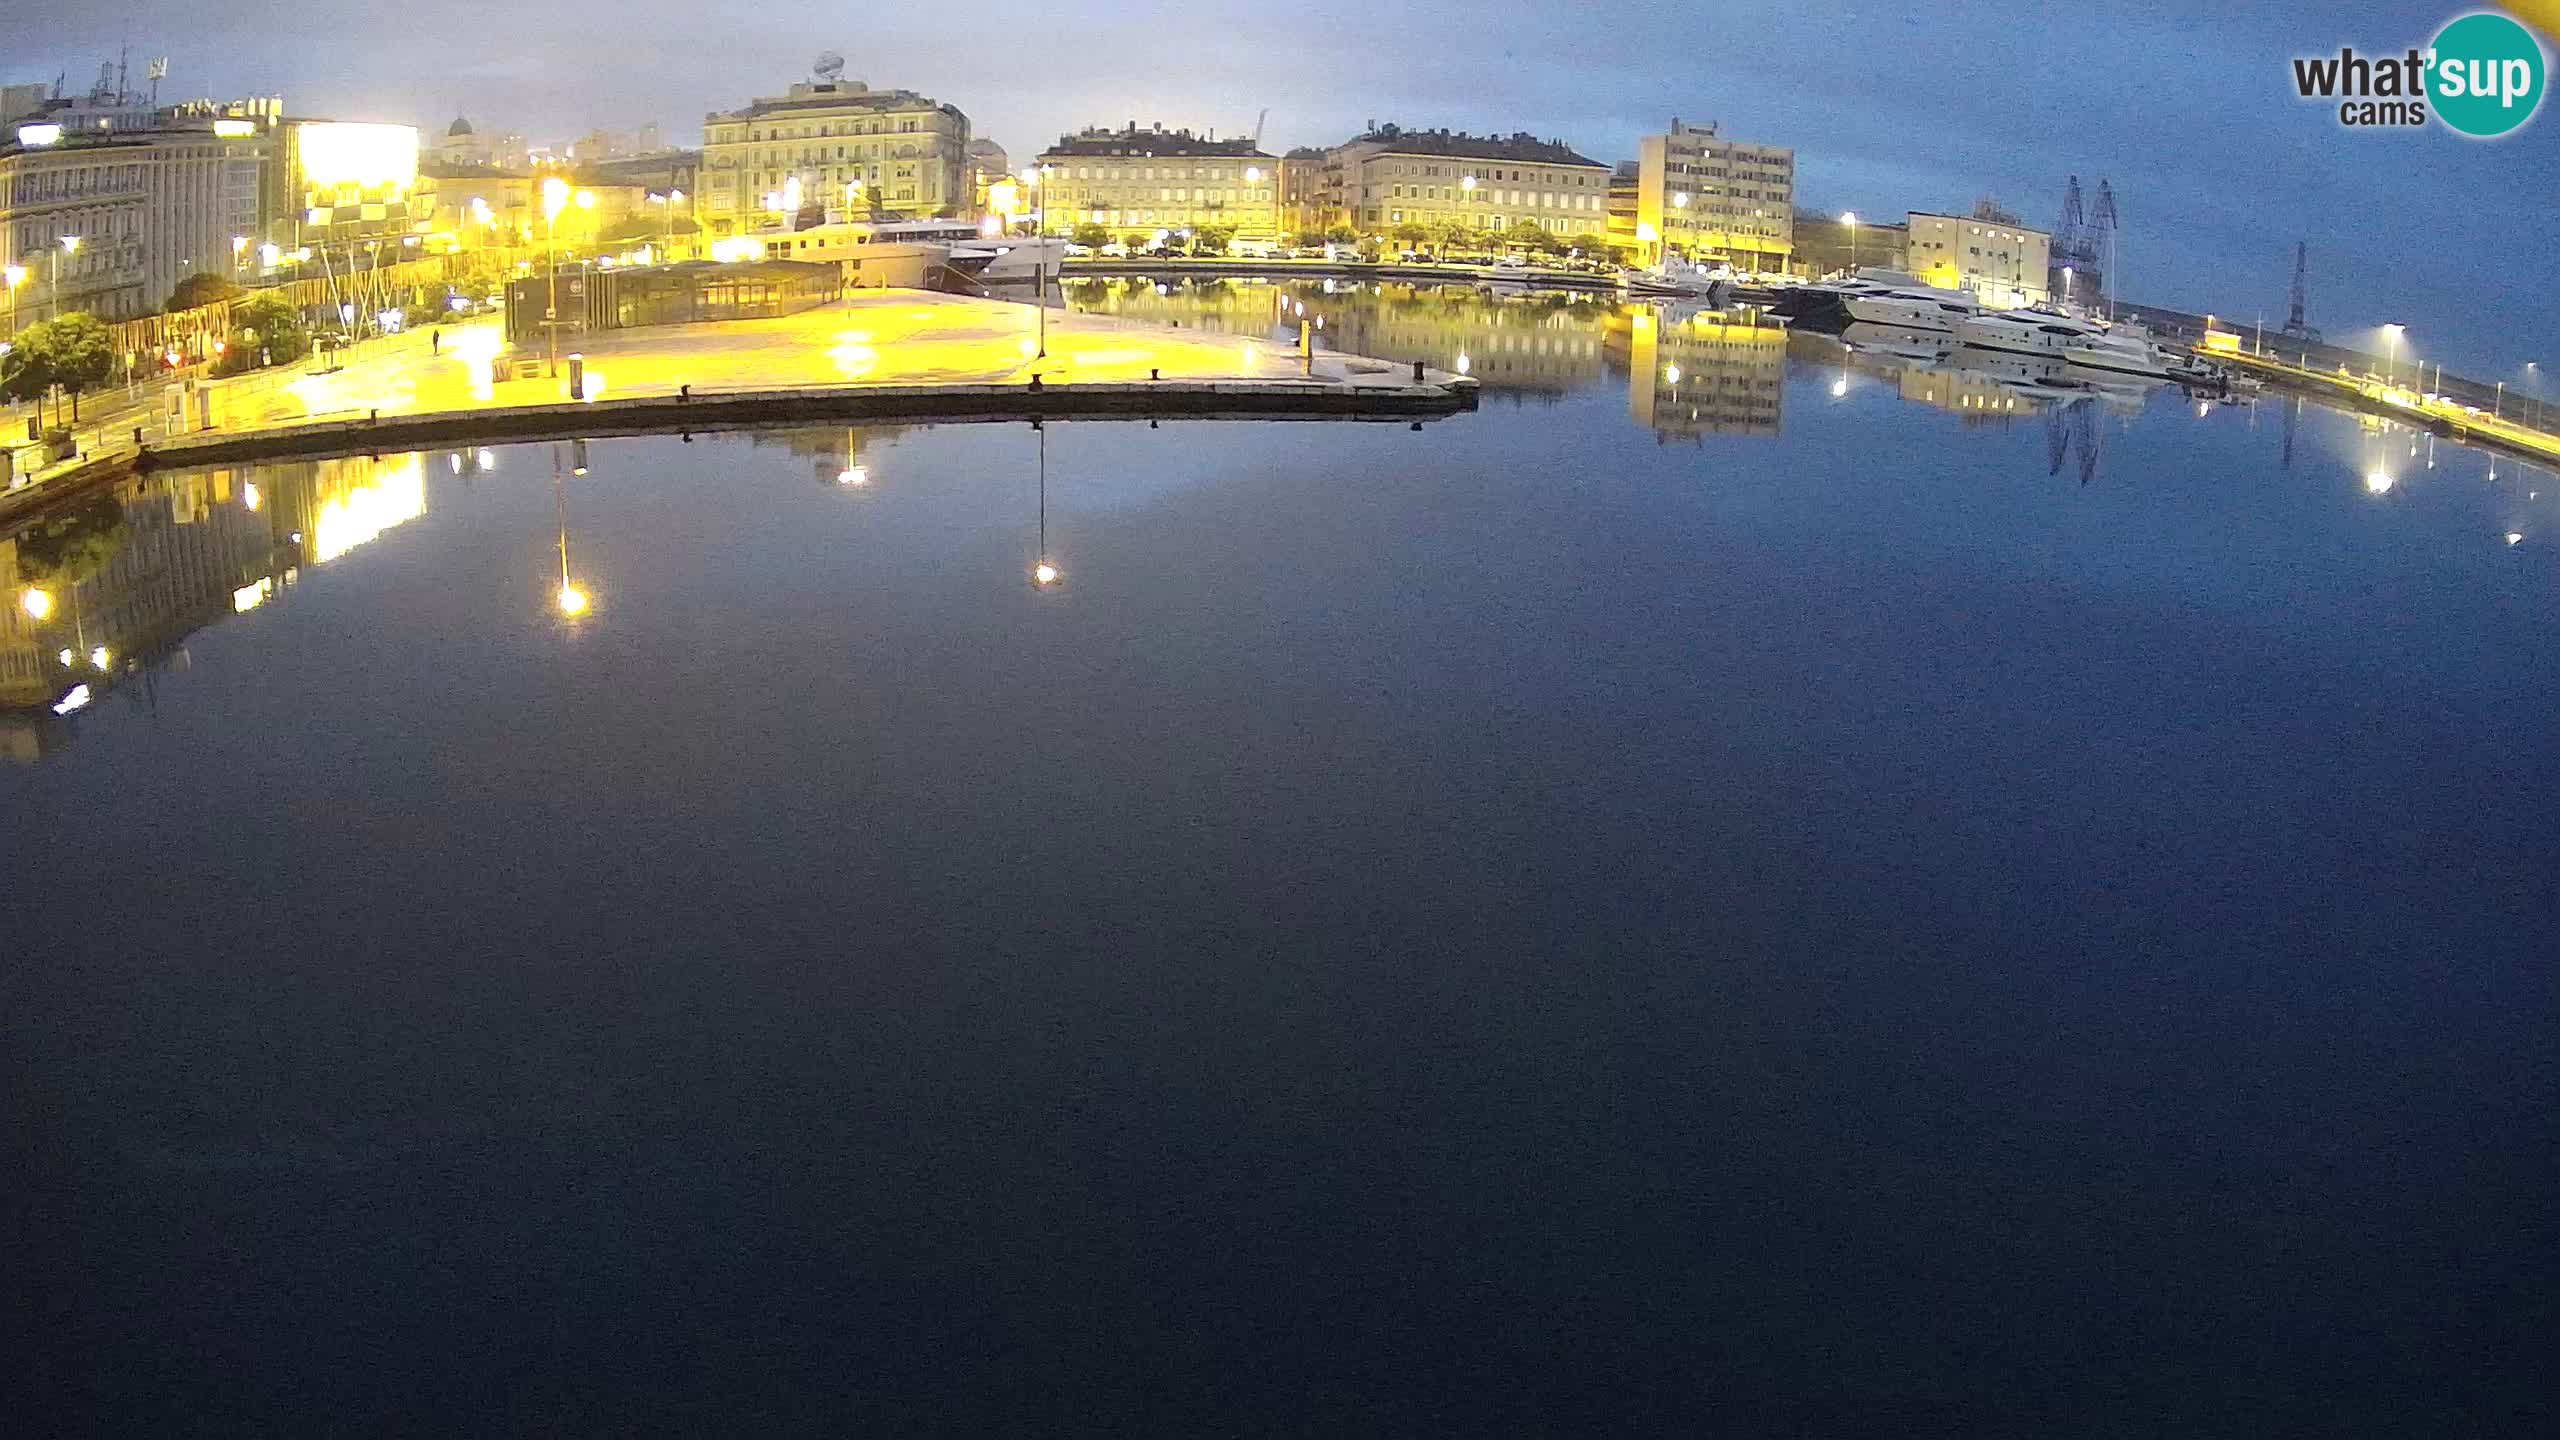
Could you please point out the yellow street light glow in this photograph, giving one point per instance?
(573, 601)
(249, 494)
(15, 275)
(1671, 373)
(1044, 573)
(1680, 200)
(32, 136)
(1253, 174)
(555, 196)
(70, 244)
(586, 199)
(1849, 217)
(234, 129)
(38, 603)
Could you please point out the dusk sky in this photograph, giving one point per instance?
(2187, 108)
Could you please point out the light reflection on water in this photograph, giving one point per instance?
(1731, 786)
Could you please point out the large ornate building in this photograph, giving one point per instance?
(1133, 180)
(832, 144)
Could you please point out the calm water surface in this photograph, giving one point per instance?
(1801, 895)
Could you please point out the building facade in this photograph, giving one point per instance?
(1700, 196)
(827, 143)
(1136, 182)
(2001, 261)
(143, 209)
(1391, 177)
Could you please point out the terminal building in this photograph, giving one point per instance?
(624, 298)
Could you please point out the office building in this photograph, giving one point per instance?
(1703, 197)
(1988, 252)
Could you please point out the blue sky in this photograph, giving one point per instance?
(2186, 107)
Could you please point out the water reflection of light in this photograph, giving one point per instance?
(853, 359)
(854, 475)
(573, 601)
(396, 494)
(1839, 387)
(2515, 537)
(2377, 482)
(1044, 573)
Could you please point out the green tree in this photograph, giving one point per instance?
(1090, 235)
(1211, 239)
(268, 330)
(1458, 233)
(202, 288)
(80, 352)
(1341, 235)
(1307, 239)
(1412, 235)
(26, 372)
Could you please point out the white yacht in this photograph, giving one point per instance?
(2024, 332)
(1878, 297)
(2123, 349)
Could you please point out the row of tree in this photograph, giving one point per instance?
(56, 360)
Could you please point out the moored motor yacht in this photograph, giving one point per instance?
(2122, 349)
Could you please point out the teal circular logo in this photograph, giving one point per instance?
(2486, 77)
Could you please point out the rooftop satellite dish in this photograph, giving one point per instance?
(830, 66)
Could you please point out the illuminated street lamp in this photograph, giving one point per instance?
(1849, 218)
(2391, 353)
(37, 603)
(555, 197)
(70, 246)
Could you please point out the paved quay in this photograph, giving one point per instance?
(878, 355)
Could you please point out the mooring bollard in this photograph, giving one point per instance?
(1417, 372)
(684, 392)
(1155, 373)
(1035, 384)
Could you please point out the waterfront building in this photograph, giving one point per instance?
(1988, 252)
(143, 207)
(1705, 197)
(891, 152)
(1392, 176)
(988, 163)
(1827, 243)
(1136, 182)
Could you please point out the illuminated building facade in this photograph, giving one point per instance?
(891, 152)
(146, 208)
(1700, 196)
(1134, 181)
(2001, 261)
(1392, 177)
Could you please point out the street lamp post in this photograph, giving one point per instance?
(1849, 218)
(2391, 353)
(70, 246)
(555, 194)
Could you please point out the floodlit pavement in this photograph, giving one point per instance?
(878, 338)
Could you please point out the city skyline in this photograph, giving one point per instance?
(1887, 110)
